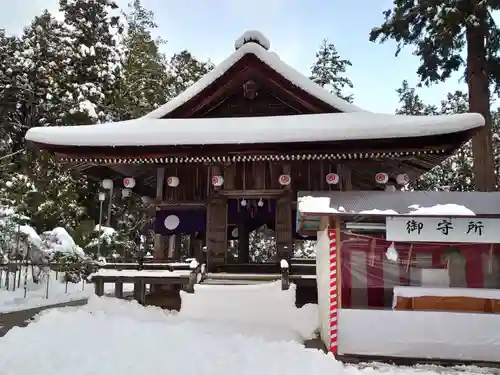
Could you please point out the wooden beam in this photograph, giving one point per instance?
(255, 194)
(158, 243)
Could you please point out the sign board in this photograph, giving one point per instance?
(442, 229)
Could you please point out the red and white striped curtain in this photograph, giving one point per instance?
(368, 277)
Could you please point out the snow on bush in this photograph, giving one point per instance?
(59, 241)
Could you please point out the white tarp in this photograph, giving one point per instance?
(420, 334)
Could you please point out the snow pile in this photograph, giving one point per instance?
(378, 212)
(59, 241)
(263, 305)
(252, 36)
(312, 205)
(109, 337)
(449, 209)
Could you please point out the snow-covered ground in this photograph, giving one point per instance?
(110, 336)
(36, 294)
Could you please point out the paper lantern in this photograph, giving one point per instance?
(217, 180)
(391, 253)
(171, 222)
(285, 180)
(129, 182)
(332, 178)
(102, 196)
(381, 178)
(126, 192)
(173, 181)
(107, 184)
(403, 179)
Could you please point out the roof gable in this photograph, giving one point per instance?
(244, 56)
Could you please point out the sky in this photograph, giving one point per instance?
(208, 29)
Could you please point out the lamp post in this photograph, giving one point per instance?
(108, 185)
(102, 197)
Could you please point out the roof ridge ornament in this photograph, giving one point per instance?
(252, 36)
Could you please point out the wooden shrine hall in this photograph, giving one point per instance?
(234, 149)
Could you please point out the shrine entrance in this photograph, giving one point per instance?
(230, 222)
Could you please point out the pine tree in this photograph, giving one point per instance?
(36, 186)
(411, 103)
(144, 79)
(455, 173)
(440, 30)
(92, 67)
(184, 70)
(329, 70)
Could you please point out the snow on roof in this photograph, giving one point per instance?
(321, 205)
(269, 58)
(249, 130)
(252, 36)
(411, 203)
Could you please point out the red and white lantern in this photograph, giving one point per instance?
(173, 181)
(217, 180)
(129, 182)
(285, 180)
(332, 178)
(381, 178)
(403, 179)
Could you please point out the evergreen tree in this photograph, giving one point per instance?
(144, 79)
(441, 30)
(329, 70)
(411, 104)
(455, 173)
(184, 70)
(92, 68)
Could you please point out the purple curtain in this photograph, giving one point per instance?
(189, 221)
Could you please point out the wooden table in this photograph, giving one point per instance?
(446, 299)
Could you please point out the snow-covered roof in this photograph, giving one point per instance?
(245, 45)
(251, 130)
(410, 203)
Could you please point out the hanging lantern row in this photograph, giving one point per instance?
(284, 180)
(128, 182)
(383, 178)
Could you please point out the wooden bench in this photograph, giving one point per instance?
(184, 278)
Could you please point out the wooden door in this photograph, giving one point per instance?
(216, 232)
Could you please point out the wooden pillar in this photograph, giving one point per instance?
(177, 246)
(284, 235)
(159, 245)
(229, 174)
(216, 235)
